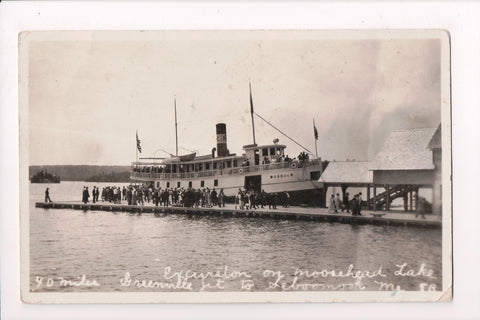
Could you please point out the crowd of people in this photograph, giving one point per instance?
(251, 199)
(355, 205)
(190, 197)
(139, 195)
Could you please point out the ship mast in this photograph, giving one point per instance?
(251, 111)
(176, 134)
(253, 124)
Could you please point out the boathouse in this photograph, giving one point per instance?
(347, 174)
(409, 160)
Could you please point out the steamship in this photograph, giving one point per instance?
(259, 167)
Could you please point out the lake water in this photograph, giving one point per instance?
(113, 250)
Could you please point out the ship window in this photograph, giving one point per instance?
(264, 152)
(158, 184)
(235, 163)
(214, 165)
(202, 183)
(215, 183)
(272, 151)
(168, 184)
(178, 184)
(314, 175)
(189, 184)
(229, 164)
(279, 152)
(207, 166)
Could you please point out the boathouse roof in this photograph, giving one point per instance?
(347, 172)
(406, 150)
(436, 141)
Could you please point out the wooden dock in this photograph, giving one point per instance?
(291, 213)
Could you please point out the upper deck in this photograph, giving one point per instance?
(151, 171)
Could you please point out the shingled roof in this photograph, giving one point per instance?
(406, 150)
(352, 172)
(436, 141)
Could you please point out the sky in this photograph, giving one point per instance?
(89, 92)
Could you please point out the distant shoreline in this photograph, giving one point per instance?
(87, 173)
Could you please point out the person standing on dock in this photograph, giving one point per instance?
(140, 197)
(129, 196)
(221, 199)
(331, 207)
(275, 200)
(421, 208)
(214, 197)
(359, 204)
(286, 199)
(354, 206)
(47, 196)
(346, 202)
(238, 196)
(156, 197)
(94, 192)
(337, 203)
(262, 198)
(243, 199)
(86, 195)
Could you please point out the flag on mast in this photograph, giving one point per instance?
(315, 132)
(139, 147)
(251, 112)
(251, 99)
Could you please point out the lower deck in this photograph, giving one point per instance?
(289, 178)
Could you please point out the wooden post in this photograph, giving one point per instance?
(416, 199)
(411, 200)
(387, 203)
(374, 197)
(324, 197)
(368, 197)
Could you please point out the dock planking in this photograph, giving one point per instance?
(314, 215)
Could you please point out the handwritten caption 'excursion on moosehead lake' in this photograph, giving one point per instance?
(227, 279)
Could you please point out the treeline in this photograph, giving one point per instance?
(86, 173)
(44, 177)
(123, 176)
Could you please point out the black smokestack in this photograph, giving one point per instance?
(222, 140)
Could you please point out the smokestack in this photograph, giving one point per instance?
(222, 140)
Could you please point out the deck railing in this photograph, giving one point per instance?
(137, 172)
